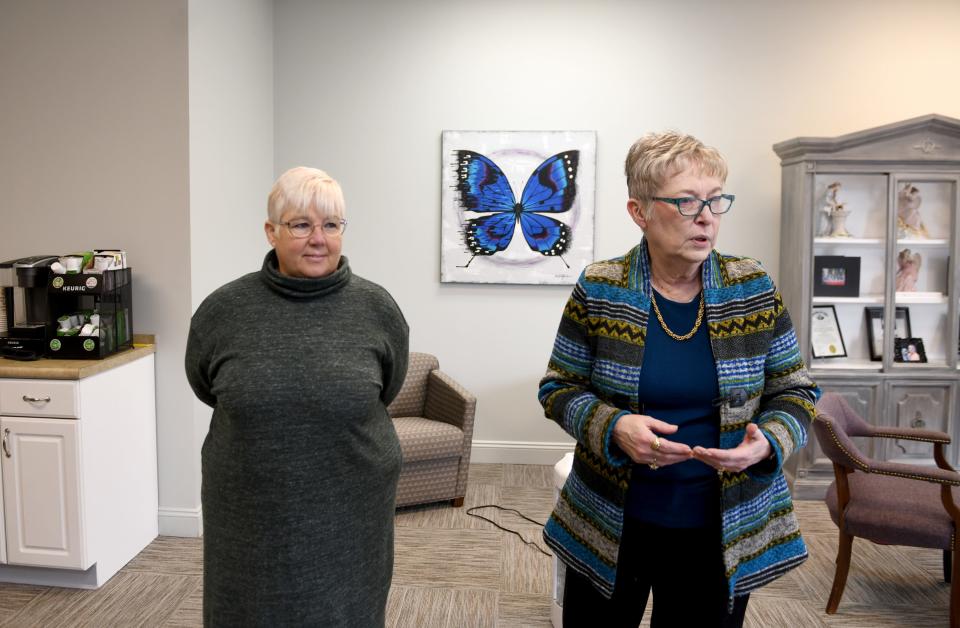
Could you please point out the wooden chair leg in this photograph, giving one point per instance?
(458, 502)
(955, 593)
(947, 556)
(840, 577)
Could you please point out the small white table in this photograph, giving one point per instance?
(560, 472)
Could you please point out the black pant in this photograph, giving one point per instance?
(684, 567)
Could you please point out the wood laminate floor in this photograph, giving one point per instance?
(455, 570)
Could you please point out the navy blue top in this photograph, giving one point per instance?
(678, 384)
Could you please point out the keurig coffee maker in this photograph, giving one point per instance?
(27, 313)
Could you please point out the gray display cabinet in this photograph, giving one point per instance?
(878, 252)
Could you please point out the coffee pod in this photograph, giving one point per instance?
(86, 330)
(64, 322)
(73, 263)
(102, 262)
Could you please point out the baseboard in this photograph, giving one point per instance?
(186, 522)
(518, 452)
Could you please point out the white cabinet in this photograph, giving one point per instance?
(3, 536)
(41, 492)
(78, 471)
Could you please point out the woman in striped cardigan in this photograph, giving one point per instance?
(682, 424)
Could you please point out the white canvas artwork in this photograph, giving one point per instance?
(517, 206)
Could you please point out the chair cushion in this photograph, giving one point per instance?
(423, 439)
(895, 511)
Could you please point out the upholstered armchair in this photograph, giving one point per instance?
(887, 502)
(433, 416)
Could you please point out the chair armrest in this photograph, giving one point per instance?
(910, 433)
(449, 402)
(914, 472)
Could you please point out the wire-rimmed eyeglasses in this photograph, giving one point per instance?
(304, 228)
(692, 206)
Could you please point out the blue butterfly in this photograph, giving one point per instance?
(483, 187)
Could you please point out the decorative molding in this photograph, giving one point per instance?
(927, 146)
(806, 148)
(186, 522)
(519, 452)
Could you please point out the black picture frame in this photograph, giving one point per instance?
(902, 350)
(826, 339)
(901, 328)
(836, 276)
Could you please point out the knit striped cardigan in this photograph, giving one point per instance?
(592, 380)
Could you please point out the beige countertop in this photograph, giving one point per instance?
(46, 368)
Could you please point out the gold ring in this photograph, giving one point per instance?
(653, 464)
(656, 443)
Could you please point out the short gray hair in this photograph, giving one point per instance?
(656, 157)
(303, 189)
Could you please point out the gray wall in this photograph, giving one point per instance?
(231, 164)
(93, 121)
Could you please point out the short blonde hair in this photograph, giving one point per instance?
(303, 189)
(656, 157)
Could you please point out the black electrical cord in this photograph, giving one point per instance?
(519, 514)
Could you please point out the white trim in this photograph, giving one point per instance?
(519, 452)
(187, 522)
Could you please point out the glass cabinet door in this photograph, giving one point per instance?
(922, 259)
(849, 270)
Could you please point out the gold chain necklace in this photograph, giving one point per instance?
(663, 324)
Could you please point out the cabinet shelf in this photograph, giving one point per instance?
(866, 299)
(921, 298)
(849, 241)
(845, 364)
(921, 243)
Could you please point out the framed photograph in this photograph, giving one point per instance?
(836, 276)
(517, 206)
(825, 338)
(909, 350)
(901, 328)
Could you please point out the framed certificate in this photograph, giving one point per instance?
(825, 338)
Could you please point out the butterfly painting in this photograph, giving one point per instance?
(517, 206)
(483, 187)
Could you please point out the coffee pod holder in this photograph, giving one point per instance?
(107, 299)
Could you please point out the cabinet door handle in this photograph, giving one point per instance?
(29, 399)
(6, 448)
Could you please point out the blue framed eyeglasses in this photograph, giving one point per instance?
(692, 206)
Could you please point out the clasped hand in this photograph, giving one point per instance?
(638, 435)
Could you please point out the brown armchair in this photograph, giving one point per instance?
(433, 416)
(887, 502)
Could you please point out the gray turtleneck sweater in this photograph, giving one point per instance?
(301, 462)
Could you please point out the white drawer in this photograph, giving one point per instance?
(39, 397)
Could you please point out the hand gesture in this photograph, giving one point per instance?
(752, 449)
(638, 436)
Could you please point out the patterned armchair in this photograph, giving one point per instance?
(433, 416)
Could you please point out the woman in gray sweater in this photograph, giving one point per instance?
(299, 362)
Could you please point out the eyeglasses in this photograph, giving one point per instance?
(691, 206)
(300, 229)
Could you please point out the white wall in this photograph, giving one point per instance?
(363, 89)
(231, 171)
